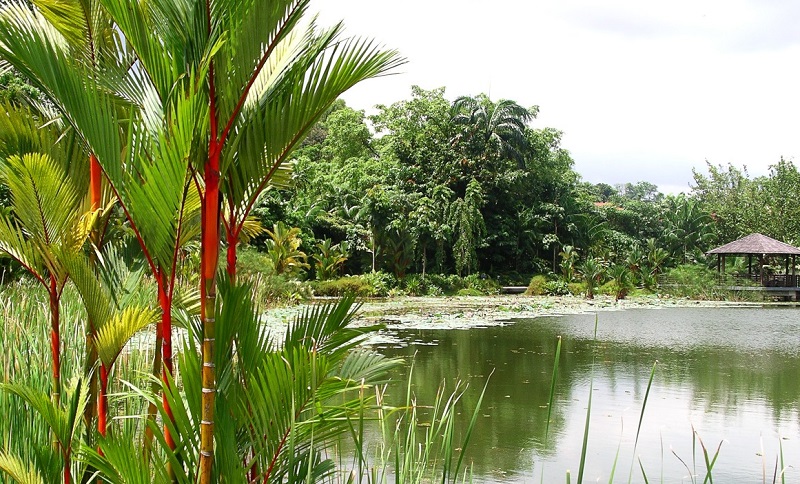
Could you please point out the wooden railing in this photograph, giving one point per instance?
(768, 280)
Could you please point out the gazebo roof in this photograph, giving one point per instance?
(756, 244)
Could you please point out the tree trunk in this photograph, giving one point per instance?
(165, 301)
(95, 197)
(55, 339)
(231, 253)
(209, 256)
(102, 402)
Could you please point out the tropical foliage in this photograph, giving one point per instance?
(177, 137)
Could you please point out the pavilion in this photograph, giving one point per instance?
(761, 247)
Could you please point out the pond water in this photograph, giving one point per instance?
(731, 374)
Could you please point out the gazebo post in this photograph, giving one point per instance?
(794, 268)
(750, 266)
(786, 272)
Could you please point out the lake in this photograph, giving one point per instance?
(731, 374)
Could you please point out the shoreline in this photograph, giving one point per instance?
(464, 312)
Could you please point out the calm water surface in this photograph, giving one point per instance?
(730, 374)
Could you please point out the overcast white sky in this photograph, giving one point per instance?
(643, 90)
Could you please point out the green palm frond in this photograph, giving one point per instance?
(18, 470)
(65, 422)
(40, 53)
(116, 332)
(66, 16)
(325, 328)
(368, 366)
(121, 462)
(182, 424)
(42, 199)
(251, 228)
(97, 298)
(14, 243)
(287, 97)
(47, 224)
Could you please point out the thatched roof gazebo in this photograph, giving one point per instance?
(762, 247)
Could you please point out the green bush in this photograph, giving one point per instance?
(251, 262)
(415, 285)
(381, 282)
(537, 286)
(272, 290)
(556, 288)
(357, 285)
(577, 288)
(468, 291)
(607, 289)
(481, 283)
(434, 291)
(694, 281)
(445, 284)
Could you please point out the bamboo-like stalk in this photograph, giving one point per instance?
(230, 253)
(95, 198)
(55, 338)
(209, 255)
(102, 402)
(165, 301)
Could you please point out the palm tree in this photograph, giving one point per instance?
(283, 249)
(492, 130)
(593, 271)
(46, 228)
(244, 81)
(47, 224)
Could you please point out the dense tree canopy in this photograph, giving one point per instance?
(400, 187)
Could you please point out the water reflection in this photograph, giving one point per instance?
(729, 373)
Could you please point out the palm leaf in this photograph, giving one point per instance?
(116, 332)
(18, 470)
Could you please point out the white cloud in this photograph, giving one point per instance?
(642, 90)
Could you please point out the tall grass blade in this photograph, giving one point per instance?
(616, 456)
(691, 474)
(709, 461)
(644, 474)
(783, 465)
(471, 426)
(552, 389)
(641, 418)
(588, 407)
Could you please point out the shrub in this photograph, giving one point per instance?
(537, 286)
(556, 288)
(438, 281)
(434, 291)
(694, 281)
(271, 289)
(381, 282)
(357, 285)
(577, 288)
(415, 285)
(468, 291)
(481, 283)
(251, 262)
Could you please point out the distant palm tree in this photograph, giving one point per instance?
(492, 130)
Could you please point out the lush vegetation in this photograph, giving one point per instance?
(136, 140)
(429, 186)
(126, 175)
